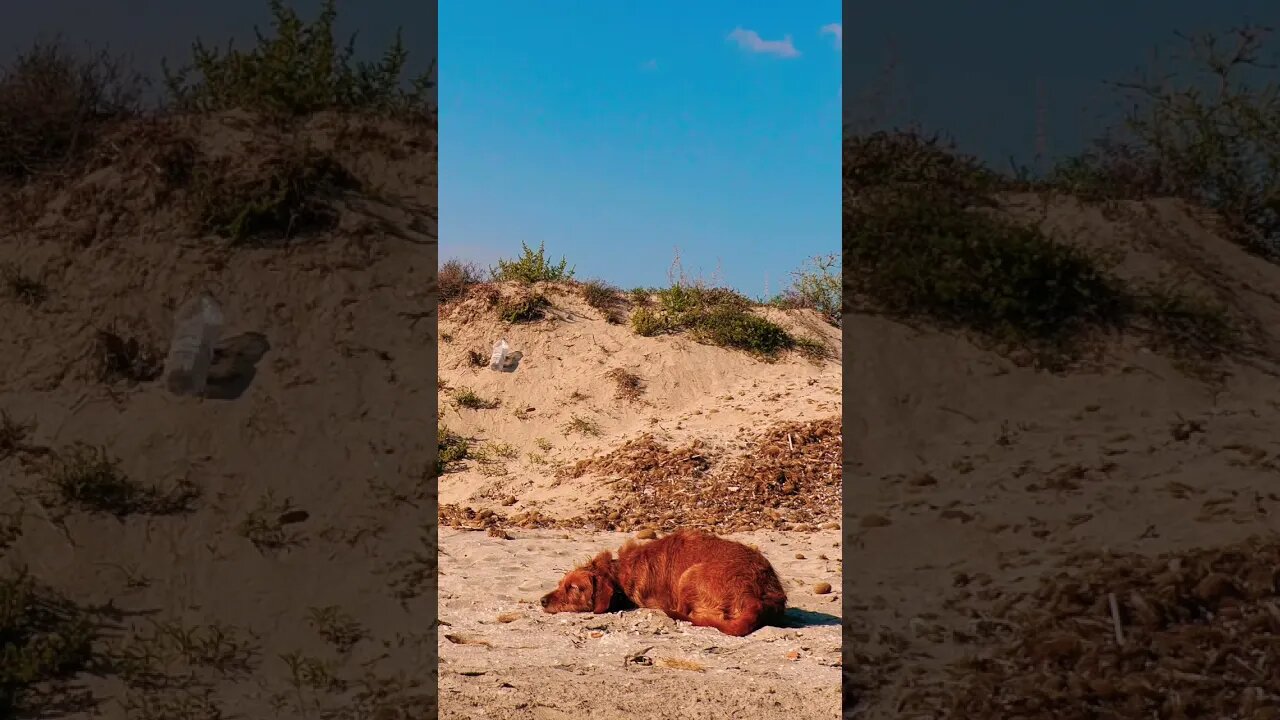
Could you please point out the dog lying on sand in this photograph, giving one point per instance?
(690, 575)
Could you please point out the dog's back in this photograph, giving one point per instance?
(696, 576)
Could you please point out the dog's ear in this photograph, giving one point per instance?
(602, 562)
(602, 593)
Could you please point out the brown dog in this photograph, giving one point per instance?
(689, 575)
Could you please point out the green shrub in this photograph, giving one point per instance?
(451, 449)
(455, 277)
(297, 70)
(87, 479)
(730, 326)
(915, 254)
(1205, 132)
(1192, 326)
(522, 308)
(647, 323)
(54, 104)
(908, 159)
(716, 316)
(467, 398)
(45, 641)
(289, 196)
(532, 267)
(816, 286)
(599, 295)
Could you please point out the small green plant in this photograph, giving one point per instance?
(215, 646)
(493, 457)
(467, 398)
(717, 316)
(287, 196)
(532, 266)
(523, 308)
(22, 287)
(87, 479)
(920, 254)
(543, 444)
(647, 323)
(1191, 326)
(813, 348)
(906, 160)
(312, 673)
(265, 526)
(117, 358)
(451, 449)
(337, 627)
(13, 435)
(640, 297)
(582, 426)
(47, 641)
(495, 451)
(300, 68)
(599, 295)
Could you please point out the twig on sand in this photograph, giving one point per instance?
(961, 413)
(1115, 618)
(789, 444)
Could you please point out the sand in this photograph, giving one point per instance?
(501, 656)
(972, 478)
(567, 665)
(286, 589)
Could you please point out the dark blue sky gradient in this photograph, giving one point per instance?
(148, 30)
(971, 69)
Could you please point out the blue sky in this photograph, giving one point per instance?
(980, 69)
(616, 132)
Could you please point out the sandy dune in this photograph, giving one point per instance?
(285, 588)
(561, 666)
(974, 479)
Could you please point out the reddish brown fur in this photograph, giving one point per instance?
(689, 575)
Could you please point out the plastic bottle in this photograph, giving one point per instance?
(499, 357)
(197, 326)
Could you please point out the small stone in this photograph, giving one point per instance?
(822, 588)
(646, 534)
(793, 655)
(508, 617)
(799, 556)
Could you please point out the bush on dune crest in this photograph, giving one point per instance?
(300, 69)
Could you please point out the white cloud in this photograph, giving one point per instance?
(837, 30)
(751, 41)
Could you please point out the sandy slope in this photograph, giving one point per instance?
(972, 478)
(542, 666)
(689, 391)
(328, 421)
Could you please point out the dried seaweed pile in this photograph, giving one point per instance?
(1191, 636)
(788, 479)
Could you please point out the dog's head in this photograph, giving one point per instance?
(589, 588)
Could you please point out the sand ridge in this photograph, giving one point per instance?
(973, 479)
(697, 418)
